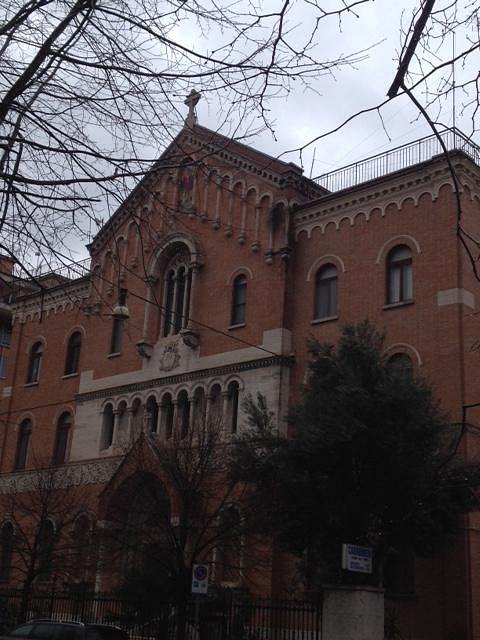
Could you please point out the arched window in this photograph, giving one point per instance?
(176, 296)
(72, 360)
(152, 415)
(167, 415)
(61, 439)
(137, 418)
(34, 362)
(399, 275)
(46, 544)
(117, 334)
(121, 425)
(215, 406)
(108, 427)
(200, 408)
(400, 365)
(325, 305)
(6, 552)
(239, 300)
(229, 553)
(233, 390)
(24, 433)
(82, 543)
(183, 413)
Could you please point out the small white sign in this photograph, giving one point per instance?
(356, 558)
(200, 578)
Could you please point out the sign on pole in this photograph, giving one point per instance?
(200, 578)
(356, 558)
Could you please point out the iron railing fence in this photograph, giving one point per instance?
(61, 272)
(396, 159)
(225, 617)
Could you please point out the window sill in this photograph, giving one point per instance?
(236, 326)
(114, 355)
(327, 319)
(70, 375)
(395, 305)
(31, 384)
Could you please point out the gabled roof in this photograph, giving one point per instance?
(239, 155)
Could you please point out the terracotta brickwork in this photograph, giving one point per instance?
(213, 210)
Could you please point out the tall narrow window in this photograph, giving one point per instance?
(399, 275)
(108, 427)
(6, 551)
(3, 367)
(72, 360)
(183, 413)
(325, 305)
(5, 332)
(137, 418)
(46, 544)
(200, 408)
(61, 439)
(167, 415)
(24, 433)
(34, 362)
(239, 300)
(233, 389)
(152, 414)
(215, 407)
(117, 333)
(81, 560)
(169, 293)
(177, 286)
(229, 553)
(178, 322)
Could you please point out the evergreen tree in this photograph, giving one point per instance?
(368, 461)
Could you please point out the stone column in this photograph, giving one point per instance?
(115, 427)
(149, 304)
(216, 222)
(256, 241)
(242, 235)
(224, 416)
(191, 306)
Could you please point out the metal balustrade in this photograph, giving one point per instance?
(397, 159)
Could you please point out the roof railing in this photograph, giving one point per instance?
(70, 271)
(397, 159)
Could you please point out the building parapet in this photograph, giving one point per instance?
(396, 159)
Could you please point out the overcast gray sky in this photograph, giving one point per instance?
(305, 114)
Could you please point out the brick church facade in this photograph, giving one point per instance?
(227, 261)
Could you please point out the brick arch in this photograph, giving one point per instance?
(66, 408)
(408, 240)
(325, 259)
(162, 252)
(33, 341)
(239, 271)
(235, 378)
(404, 347)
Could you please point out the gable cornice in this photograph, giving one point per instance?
(53, 300)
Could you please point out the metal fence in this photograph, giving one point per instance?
(62, 272)
(399, 158)
(225, 617)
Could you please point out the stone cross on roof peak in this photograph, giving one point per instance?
(191, 102)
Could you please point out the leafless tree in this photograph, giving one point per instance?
(44, 542)
(90, 92)
(174, 506)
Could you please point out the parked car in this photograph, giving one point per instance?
(56, 630)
